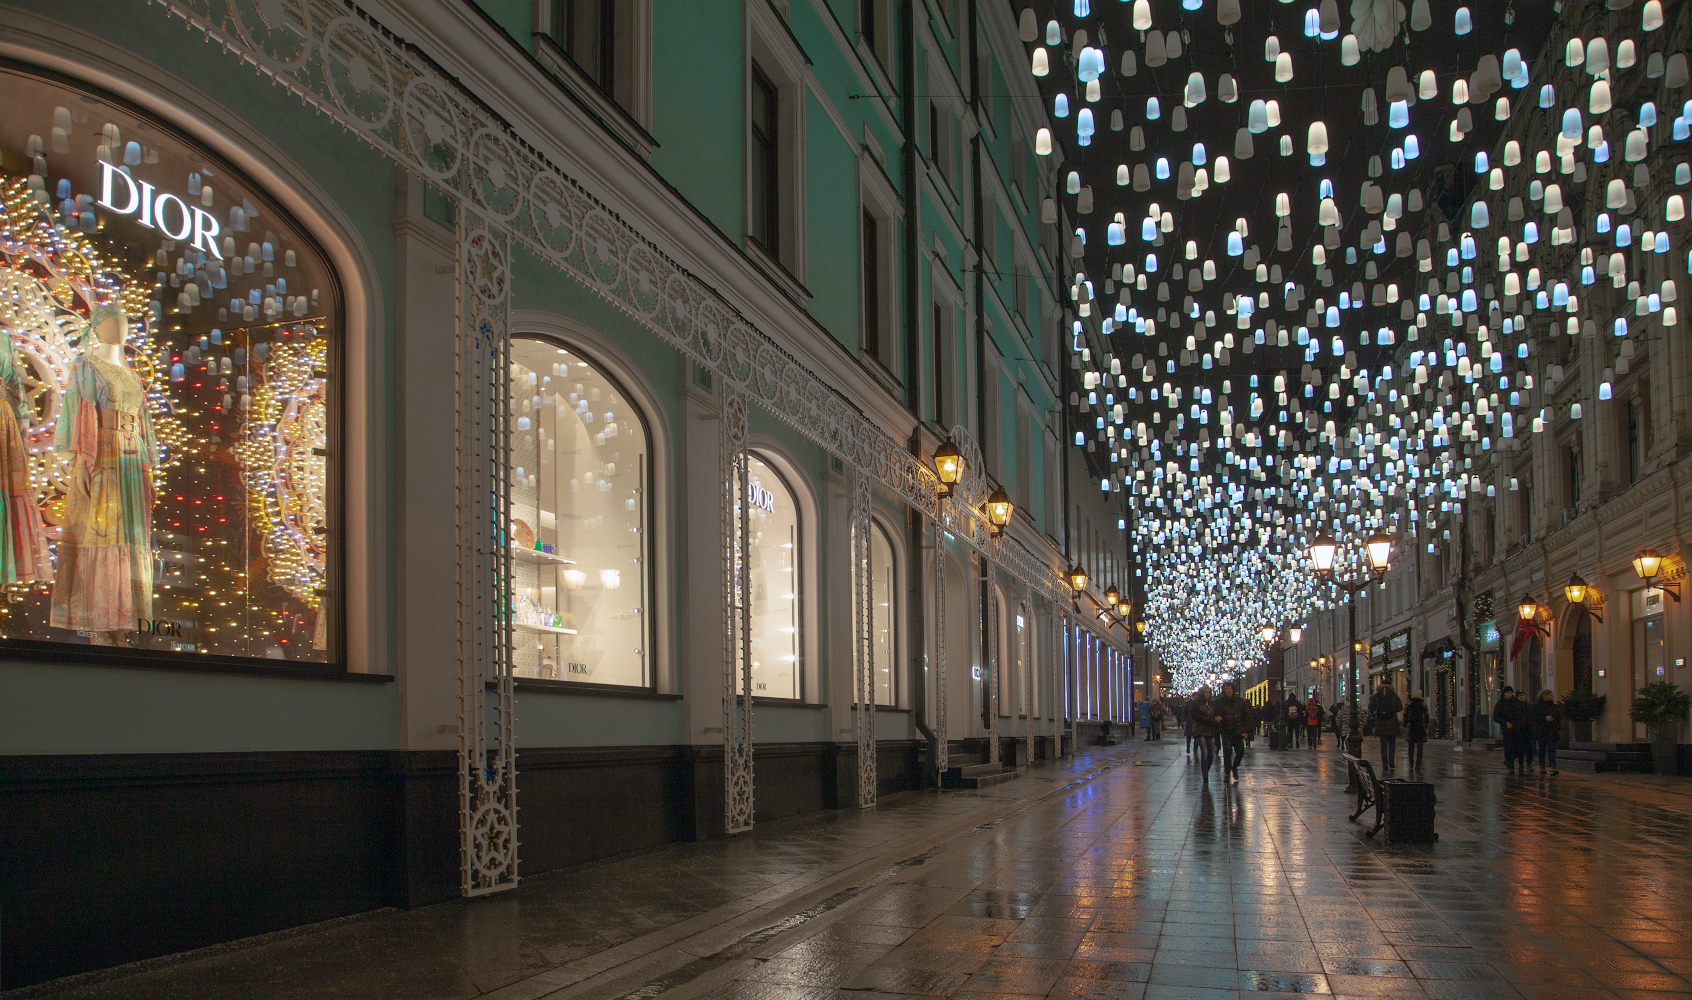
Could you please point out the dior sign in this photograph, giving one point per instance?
(166, 212)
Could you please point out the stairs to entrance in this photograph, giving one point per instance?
(978, 776)
(1603, 758)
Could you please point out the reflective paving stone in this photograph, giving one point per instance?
(1139, 883)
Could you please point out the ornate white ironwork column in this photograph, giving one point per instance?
(738, 811)
(942, 752)
(487, 779)
(863, 636)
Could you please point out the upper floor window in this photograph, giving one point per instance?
(587, 32)
(578, 521)
(765, 165)
(877, 23)
(171, 379)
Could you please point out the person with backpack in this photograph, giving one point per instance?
(1292, 714)
(1547, 727)
(1384, 706)
(1312, 722)
(1415, 729)
(1157, 720)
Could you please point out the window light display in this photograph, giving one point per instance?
(172, 339)
(578, 521)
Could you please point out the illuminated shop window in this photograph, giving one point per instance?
(884, 618)
(772, 577)
(578, 521)
(171, 393)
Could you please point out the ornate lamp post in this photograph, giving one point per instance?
(1648, 563)
(1322, 553)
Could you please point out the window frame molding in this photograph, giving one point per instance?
(769, 45)
(943, 290)
(616, 366)
(877, 197)
(632, 70)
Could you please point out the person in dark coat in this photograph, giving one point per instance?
(1335, 713)
(1547, 727)
(1203, 728)
(1232, 715)
(1415, 729)
(1312, 722)
(1384, 706)
(1512, 725)
(1292, 720)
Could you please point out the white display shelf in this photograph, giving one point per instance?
(537, 556)
(543, 628)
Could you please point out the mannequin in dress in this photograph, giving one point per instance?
(105, 572)
(23, 535)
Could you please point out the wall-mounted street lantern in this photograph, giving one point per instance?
(948, 466)
(1648, 563)
(1577, 591)
(999, 509)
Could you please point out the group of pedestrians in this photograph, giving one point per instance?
(1223, 720)
(1525, 725)
(1391, 718)
(1304, 718)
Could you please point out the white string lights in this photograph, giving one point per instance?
(1437, 233)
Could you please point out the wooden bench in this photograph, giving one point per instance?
(1371, 792)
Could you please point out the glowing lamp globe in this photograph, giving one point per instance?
(1113, 596)
(1380, 552)
(1575, 589)
(1648, 563)
(1322, 552)
(1077, 579)
(999, 508)
(1527, 608)
(948, 466)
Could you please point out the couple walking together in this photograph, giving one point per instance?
(1225, 719)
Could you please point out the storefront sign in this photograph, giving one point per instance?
(757, 496)
(167, 213)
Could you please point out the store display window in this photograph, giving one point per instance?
(170, 393)
(773, 583)
(579, 521)
(883, 620)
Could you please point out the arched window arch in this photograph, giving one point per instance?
(775, 584)
(884, 616)
(580, 452)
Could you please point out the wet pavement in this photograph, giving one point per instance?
(1118, 875)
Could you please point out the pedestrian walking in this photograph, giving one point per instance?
(1293, 716)
(1233, 716)
(1187, 724)
(1200, 711)
(1415, 729)
(1157, 720)
(1313, 722)
(1384, 707)
(1145, 718)
(1512, 721)
(1547, 727)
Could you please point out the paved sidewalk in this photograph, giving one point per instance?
(1116, 876)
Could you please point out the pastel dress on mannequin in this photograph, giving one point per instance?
(23, 534)
(105, 578)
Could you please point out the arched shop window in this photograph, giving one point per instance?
(773, 583)
(171, 393)
(884, 617)
(578, 521)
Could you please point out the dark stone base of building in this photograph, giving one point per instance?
(181, 851)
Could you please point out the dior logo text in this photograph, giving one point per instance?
(158, 626)
(167, 213)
